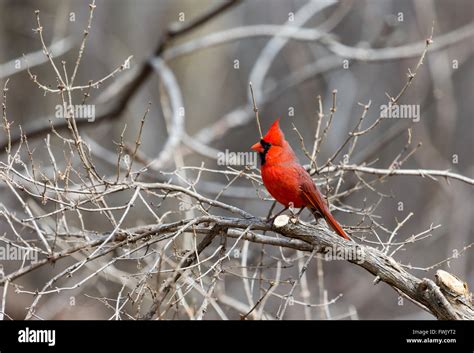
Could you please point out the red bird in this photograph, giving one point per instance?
(286, 180)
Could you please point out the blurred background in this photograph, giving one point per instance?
(214, 87)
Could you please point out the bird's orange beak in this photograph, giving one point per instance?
(257, 147)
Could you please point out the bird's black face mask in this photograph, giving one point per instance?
(266, 146)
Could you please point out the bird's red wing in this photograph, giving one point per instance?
(310, 194)
(314, 199)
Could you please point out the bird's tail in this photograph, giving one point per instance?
(334, 225)
(318, 206)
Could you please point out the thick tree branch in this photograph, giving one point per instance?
(441, 302)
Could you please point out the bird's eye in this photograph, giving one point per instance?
(266, 145)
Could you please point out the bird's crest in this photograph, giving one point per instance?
(274, 135)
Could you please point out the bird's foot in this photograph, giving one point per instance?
(295, 215)
(271, 219)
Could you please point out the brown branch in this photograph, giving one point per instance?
(423, 291)
(436, 298)
(186, 262)
(133, 85)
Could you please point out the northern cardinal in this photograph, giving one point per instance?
(286, 180)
